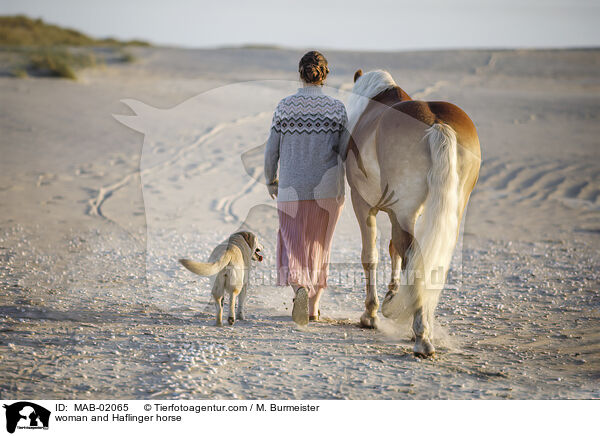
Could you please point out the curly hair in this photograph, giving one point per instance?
(313, 68)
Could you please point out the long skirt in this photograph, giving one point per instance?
(304, 241)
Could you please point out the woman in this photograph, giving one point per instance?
(306, 143)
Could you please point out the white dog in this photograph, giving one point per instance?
(231, 262)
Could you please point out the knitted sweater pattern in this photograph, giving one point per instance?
(304, 142)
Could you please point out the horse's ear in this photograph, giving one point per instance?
(357, 74)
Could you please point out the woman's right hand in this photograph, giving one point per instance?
(273, 188)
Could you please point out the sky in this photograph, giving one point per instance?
(380, 25)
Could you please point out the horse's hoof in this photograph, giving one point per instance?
(231, 320)
(369, 322)
(390, 293)
(219, 324)
(423, 348)
(424, 356)
(241, 316)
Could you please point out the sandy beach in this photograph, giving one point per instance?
(106, 181)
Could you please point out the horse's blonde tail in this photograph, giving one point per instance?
(429, 256)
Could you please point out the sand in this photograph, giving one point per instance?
(95, 214)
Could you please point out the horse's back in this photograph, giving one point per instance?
(389, 139)
(403, 155)
(441, 112)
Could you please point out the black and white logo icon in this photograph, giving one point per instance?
(26, 415)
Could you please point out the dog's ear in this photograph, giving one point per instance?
(250, 239)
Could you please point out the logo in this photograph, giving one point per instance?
(26, 415)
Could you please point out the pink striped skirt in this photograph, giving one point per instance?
(304, 241)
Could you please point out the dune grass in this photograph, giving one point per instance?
(60, 62)
(20, 30)
(47, 50)
(20, 73)
(127, 57)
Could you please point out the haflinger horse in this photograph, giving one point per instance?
(417, 161)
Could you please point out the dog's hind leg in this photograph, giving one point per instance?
(241, 302)
(218, 295)
(219, 306)
(232, 304)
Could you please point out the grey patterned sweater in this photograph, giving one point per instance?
(305, 139)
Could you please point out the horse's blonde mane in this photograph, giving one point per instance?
(372, 83)
(366, 87)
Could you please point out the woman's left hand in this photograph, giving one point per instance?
(273, 189)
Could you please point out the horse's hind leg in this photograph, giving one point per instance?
(365, 215)
(431, 316)
(402, 248)
(401, 241)
(423, 313)
(396, 268)
(422, 329)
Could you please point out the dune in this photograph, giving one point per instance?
(107, 181)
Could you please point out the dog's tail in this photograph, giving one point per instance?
(207, 269)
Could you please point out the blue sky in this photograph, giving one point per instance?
(349, 25)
